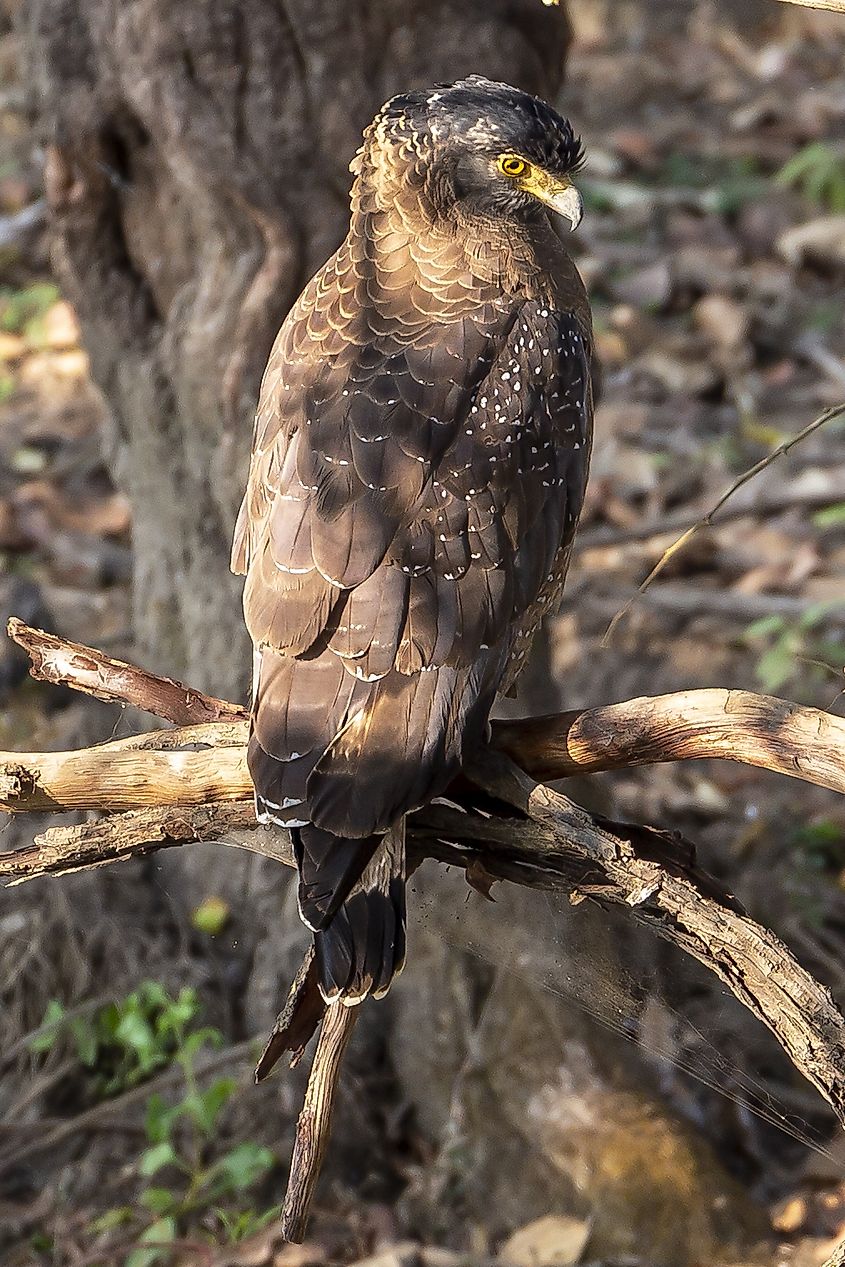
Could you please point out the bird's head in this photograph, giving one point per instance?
(476, 148)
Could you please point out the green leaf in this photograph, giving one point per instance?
(85, 1038)
(243, 1166)
(53, 1016)
(246, 1223)
(194, 1043)
(204, 1106)
(159, 1119)
(775, 668)
(211, 916)
(110, 1219)
(830, 517)
(134, 1032)
(178, 1012)
(156, 1158)
(156, 1241)
(815, 614)
(765, 627)
(108, 1019)
(152, 994)
(159, 1200)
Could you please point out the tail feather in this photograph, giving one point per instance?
(362, 948)
(329, 867)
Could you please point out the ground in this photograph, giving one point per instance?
(714, 250)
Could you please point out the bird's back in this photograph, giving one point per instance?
(419, 461)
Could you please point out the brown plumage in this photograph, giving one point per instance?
(419, 461)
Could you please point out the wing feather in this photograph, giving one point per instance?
(417, 472)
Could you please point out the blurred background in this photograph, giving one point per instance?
(545, 1085)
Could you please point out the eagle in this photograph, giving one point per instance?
(419, 460)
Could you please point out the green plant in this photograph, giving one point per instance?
(789, 647)
(831, 516)
(179, 1139)
(818, 171)
(122, 1044)
(125, 1042)
(822, 842)
(23, 311)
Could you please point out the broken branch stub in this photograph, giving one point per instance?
(191, 784)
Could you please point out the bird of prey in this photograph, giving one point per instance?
(419, 460)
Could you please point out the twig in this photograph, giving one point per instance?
(693, 600)
(314, 1124)
(61, 850)
(603, 536)
(836, 411)
(68, 663)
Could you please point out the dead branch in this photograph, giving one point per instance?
(60, 850)
(543, 841)
(757, 730)
(836, 411)
(315, 1121)
(164, 767)
(837, 6)
(68, 663)
(206, 762)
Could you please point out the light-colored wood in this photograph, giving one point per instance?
(159, 769)
(86, 669)
(109, 779)
(758, 730)
(314, 1125)
(837, 6)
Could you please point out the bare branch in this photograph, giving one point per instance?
(108, 779)
(60, 850)
(837, 6)
(836, 411)
(159, 769)
(757, 730)
(315, 1121)
(548, 842)
(70, 664)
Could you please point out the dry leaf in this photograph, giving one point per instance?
(556, 1240)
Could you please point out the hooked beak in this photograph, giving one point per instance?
(567, 201)
(555, 193)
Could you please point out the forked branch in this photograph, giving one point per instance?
(524, 832)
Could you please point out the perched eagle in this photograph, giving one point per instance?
(419, 460)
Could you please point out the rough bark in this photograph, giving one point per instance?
(197, 174)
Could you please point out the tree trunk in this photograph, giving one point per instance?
(197, 174)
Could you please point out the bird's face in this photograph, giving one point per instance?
(482, 149)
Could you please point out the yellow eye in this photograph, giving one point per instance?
(511, 165)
